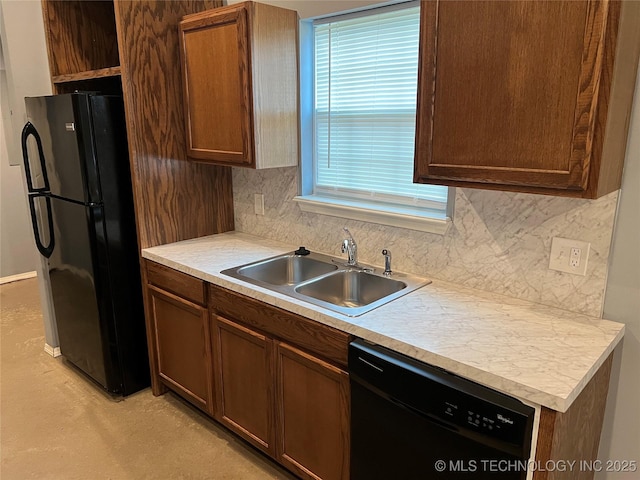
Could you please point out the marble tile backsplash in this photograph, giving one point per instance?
(499, 242)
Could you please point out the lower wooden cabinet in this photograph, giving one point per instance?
(313, 406)
(244, 387)
(289, 403)
(273, 377)
(183, 347)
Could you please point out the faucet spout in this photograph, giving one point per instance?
(350, 247)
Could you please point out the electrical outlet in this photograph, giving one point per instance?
(574, 258)
(258, 200)
(569, 256)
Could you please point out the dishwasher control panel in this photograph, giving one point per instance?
(478, 415)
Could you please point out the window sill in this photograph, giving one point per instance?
(403, 217)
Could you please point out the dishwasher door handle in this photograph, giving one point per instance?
(421, 414)
(372, 365)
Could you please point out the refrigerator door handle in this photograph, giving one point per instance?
(47, 250)
(28, 130)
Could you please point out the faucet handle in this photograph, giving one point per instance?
(387, 262)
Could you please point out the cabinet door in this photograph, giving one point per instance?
(244, 380)
(313, 415)
(216, 86)
(508, 93)
(183, 347)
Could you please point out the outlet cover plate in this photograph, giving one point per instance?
(258, 200)
(569, 256)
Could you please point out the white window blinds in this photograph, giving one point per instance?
(366, 70)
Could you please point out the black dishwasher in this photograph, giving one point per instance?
(410, 420)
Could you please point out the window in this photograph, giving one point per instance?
(359, 163)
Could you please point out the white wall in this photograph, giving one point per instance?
(621, 433)
(17, 252)
(25, 57)
(27, 75)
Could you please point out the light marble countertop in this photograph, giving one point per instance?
(540, 354)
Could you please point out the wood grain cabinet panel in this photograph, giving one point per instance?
(319, 339)
(183, 347)
(185, 286)
(217, 88)
(240, 85)
(313, 415)
(282, 398)
(244, 382)
(515, 95)
(81, 36)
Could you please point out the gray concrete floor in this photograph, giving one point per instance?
(56, 424)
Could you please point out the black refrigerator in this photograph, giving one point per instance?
(76, 162)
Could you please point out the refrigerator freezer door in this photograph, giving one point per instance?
(78, 290)
(62, 123)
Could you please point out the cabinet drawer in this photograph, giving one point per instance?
(315, 337)
(181, 284)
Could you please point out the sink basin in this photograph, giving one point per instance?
(286, 270)
(327, 282)
(351, 288)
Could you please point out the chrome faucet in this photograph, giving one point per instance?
(350, 248)
(387, 262)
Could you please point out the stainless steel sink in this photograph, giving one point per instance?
(328, 282)
(351, 288)
(286, 270)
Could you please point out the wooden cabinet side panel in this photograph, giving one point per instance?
(617, 86)
(588, 92)
(81, 35)
(313, 415)
(174, 199)
(244, 382)
(426, 87)
(157, 387)
(274, 63)
(574, 434)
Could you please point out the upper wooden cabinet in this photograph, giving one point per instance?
(518, 96)
(240, 84)
(82, 43)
